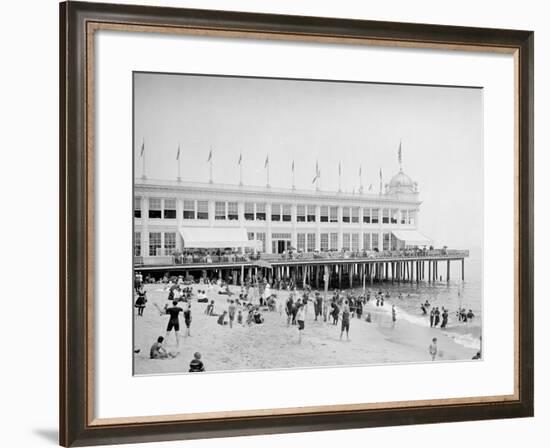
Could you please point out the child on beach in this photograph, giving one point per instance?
(196, 364)
(231, 311)
(240, 317)
(433, 349)
(345, 320)
(300, 318)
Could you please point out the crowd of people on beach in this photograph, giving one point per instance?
(247, 307)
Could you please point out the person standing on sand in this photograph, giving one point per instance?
(445, 317)
(141, 301)
(433, 349)
(436, 316)
(231, 310)
(345, 320)
(432, 315)
(300, 318)
(187, 318)
(288, 308)
(174, 322)
(393, 316)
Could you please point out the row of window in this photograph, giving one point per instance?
(164, 243)
(195, 209)
(160, 243)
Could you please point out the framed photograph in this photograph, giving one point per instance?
(278, 224)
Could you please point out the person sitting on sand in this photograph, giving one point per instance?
(368, 318)
(258, 318)
(250, 316)
(433, 349)
(158, 351)
(221, 319)
(196, 364)
(470, 315)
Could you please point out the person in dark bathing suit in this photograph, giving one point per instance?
(141, 301)
(445, 317)
(174, 322)
(187, 318)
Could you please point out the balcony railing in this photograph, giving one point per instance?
(190, 259)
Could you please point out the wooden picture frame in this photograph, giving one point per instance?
(78, 22)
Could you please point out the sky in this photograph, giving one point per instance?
(305, 121)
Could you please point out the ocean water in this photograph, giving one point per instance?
(452, 295)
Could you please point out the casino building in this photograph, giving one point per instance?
(172, 215)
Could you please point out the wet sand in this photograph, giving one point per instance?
(274, 345)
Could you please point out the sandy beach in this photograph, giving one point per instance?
(274, 345)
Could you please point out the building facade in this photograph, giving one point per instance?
(308, 220)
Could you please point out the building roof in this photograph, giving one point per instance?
(275, 193)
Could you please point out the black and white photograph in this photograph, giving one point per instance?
(296, 223)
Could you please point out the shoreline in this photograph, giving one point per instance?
(273, 344)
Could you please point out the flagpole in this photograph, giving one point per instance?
(318, 177)
(400, 157)
(360, 179)
(380, 181)
(211, 161)
(293, 177)
(267, 171)
(339, 177)
(143, 160)
(179, 164)
(241, 169)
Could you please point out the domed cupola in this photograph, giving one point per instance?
(401, 183)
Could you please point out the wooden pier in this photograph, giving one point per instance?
(339, 272)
